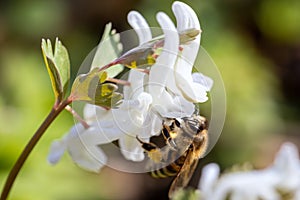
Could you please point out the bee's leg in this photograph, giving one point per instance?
(152, 150)
(169, 132)
(169, 139)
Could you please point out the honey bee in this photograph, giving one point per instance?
(186, 142)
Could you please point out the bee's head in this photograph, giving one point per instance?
(203, 123)
(196, 123)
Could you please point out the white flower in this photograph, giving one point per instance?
(77, 150)
(287, 167)
(264, 184)
(187, 19)
(177, 67)
(169, 90)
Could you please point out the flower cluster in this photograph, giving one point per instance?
(279, 181)
(170, 89)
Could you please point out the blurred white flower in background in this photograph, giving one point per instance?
(272, 183)
(170, 90)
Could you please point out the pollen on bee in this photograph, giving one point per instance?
(155, 155)
(173, 134)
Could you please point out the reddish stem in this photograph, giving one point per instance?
(57, 108)
(77, 116)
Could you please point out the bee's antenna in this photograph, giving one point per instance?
(140, 141)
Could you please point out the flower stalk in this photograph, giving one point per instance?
(55, 111)
(77, 116)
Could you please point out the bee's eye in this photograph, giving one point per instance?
(201, 127)
(177, 123)
(194, 126)
(204, 124)
(172, 126)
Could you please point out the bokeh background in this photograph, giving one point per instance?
(255, 44)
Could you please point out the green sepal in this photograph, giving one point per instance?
(93, 89)
(188, 35)
(146, 54)
(108, 49)
(140, 57)
(58, 66)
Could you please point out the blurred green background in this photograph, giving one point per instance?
(255, 44)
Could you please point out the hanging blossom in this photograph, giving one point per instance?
(273, 183)
(169, 90)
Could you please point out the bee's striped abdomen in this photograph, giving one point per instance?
(169, 170)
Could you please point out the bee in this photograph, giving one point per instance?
(186, 142)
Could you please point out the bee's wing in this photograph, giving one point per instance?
(185, 173)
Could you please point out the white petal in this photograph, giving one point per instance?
(83, 152)
(205, 81)
(128, 120)
(246, 185)
(240, 195)
(257, 184)
(181, 16)
(184, 108)
(57, 149)
(187, 19)
(173, 106)
(297, 194)
(82, 147)
(101, 132)
(131, 148)
(185, 16)
(129, 117)
(162, 85)
(152, 125)
(268, 193)
(136, 78)
(91, 158)
(210, 174)
(287, 158)
(171, 44)
(156, 125)
(89, 112)
(136, 87)
(131, 120)
(145, 100)
(163, 70)
(193, 92)
(287, 165)
(141, 27)
(140, 101)
(92, 113)
(128, 104)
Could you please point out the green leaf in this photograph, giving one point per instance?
(108, 50)
(93, 89)
(58, 66)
